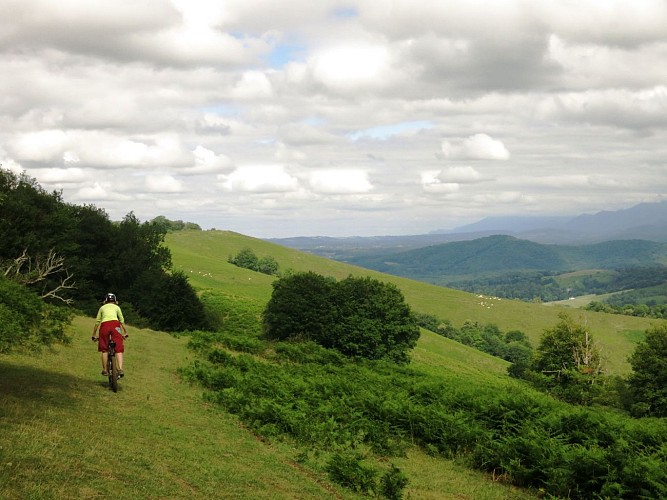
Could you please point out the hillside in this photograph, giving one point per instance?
(65, 435)
(496, 254)
(203, 255)
(174, 445)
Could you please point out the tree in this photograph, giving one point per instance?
(168, 301)
(27, 321)
(567, 346)
(648, 381)
(373, 321)
(301, 306)
(246, 259)
(567, 363)
(360, 317)
(267, 265)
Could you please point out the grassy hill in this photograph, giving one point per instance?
(64, 435)
(203, 256)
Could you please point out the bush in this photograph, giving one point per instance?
(347, 469)
(359, 317)
(648, 382)
(27, 321)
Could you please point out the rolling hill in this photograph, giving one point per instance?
(203, 255)
(174, 444)
(495, 254)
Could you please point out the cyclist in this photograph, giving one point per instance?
(110, 319)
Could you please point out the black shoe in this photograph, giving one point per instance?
(121, 373)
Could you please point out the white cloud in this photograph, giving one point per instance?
(463, 175)
(163, 184)
(431, 183)
(207, 161)
(340, 182)
(434, 112)
(476, 147)
(259, 179)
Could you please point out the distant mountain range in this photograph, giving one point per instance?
(646, 221)
(501, 253)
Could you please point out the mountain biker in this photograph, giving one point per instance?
(110, 320)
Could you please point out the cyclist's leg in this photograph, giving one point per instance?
(105, 357)
(119, 358)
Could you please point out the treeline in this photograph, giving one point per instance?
(630, 309)
(81, 255)
(547, 286)
(512, 346)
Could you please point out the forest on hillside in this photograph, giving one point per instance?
(71, 256)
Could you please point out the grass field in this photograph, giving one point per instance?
(65, 435)
(203, 255)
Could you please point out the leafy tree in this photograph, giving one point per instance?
(27, 321)
(374, 321)
(301, 306)
(267, 265)
(567, 346)
(168, 301)
(357, 316)
(648, 381)
(567, 363)
(175, 225)
(246, 259)
(81, 244)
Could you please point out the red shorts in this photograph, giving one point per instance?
(114, 328)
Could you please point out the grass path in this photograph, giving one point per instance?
(63, 434)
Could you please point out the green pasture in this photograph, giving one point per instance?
(203, 255)
(65, 435)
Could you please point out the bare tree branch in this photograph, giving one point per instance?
(25, 271)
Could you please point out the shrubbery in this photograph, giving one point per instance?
(512, 346)
(247, 259)
(27, 321)
(521, 435)
(359, 317)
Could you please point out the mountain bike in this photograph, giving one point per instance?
(112, 364)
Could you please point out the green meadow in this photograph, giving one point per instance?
(203, 257)
(63, 434)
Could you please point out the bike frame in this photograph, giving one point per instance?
(112, 365)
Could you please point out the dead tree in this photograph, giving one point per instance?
(26, 271)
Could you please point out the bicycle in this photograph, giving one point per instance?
(112, 364)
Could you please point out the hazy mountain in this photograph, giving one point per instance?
(646, 221)
(495, 254)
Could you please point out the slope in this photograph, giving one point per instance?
(203, 255)
(65, 435)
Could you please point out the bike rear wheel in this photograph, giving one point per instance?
(113, 373)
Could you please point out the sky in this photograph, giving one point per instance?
(337, 118)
